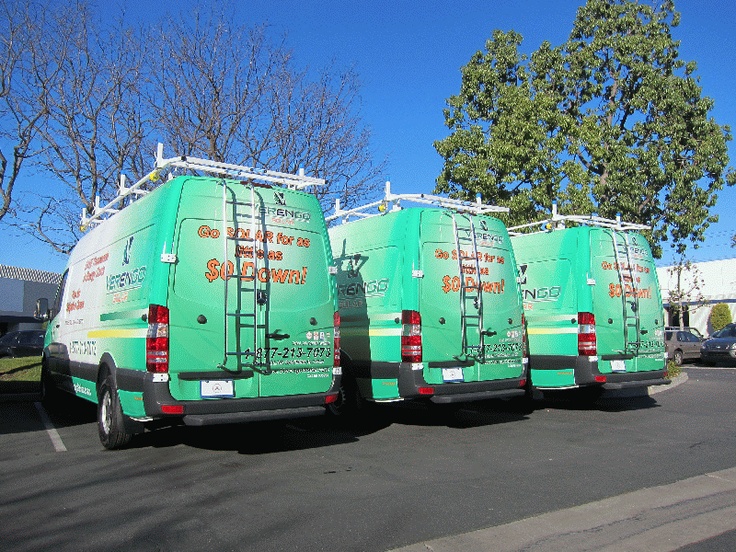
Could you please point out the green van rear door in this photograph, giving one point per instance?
(627, 303)
(258, 306)
(440, 299)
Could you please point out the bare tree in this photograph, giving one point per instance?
(687, 289)
(94, 128)
(22, 91)
(104, 94)
(225, 92)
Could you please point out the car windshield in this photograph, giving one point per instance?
(728, 331)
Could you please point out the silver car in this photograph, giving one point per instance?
(720, 347)
(682, 345)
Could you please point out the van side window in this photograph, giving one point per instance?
(56, 308)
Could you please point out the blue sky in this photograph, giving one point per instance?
(408, 56)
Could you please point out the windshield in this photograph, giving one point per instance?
(728, 331)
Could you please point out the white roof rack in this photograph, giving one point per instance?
(163, 166)
(557, 222)
(392, 202)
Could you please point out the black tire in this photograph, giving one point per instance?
(349, 401)
(677, 357)
(49, 392)
(110, 417)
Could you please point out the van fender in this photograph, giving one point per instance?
(107, 366)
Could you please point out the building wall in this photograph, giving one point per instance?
(19, 290)
(712, 281)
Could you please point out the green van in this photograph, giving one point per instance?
(429, 302)
(592, 303)
(208, 300)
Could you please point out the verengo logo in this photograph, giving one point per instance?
(130, 279)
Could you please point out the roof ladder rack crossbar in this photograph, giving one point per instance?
(392, 202)
(557, 221)
(113, 206)
(292, 181)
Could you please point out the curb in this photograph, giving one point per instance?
(644, 391)
(678, 380)
(665, 517)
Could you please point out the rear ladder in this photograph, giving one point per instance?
(626, 276)
(247, 310)
(471, 296)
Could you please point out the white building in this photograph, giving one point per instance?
(19, 289)
(716, 281)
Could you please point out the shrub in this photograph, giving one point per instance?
(720, 315)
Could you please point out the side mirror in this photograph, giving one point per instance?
(42, 310)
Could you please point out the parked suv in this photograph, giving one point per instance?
(22, 343)
(682, 345)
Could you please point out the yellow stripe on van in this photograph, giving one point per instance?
(134, 333)
(552, 331)
(383, 332)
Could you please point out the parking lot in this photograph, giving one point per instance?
(411, 476)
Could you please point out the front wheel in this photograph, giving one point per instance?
(49, 391)
(110, 420)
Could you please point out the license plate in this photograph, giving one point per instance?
(452, 374)
(217, 388)
(618, 366)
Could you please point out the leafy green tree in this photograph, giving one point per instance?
(720, 315)
(612, 122)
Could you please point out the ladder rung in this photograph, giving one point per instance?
(238, 202)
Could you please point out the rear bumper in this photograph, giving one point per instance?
(636, 379)
(718, 356)
(586, 371)
(412, 385)
(411, 381)
(156, 395)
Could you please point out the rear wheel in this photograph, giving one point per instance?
(110, 417)
(349, 401)
(677, 357)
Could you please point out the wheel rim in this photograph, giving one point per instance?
(105, 411)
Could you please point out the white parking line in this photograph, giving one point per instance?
(50, 429)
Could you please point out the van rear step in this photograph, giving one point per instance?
(199, 420)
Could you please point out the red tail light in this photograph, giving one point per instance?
(329, 399)
(586, 334)
(157, 339)
(336, 353)
(411, 336)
